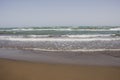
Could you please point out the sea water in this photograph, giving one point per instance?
(87, 45)
(61, 38)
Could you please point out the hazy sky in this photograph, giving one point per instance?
(59, 12)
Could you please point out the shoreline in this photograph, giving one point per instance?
(101, 58)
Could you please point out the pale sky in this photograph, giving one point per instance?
(17, 13)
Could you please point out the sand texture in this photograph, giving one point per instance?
(19, 70)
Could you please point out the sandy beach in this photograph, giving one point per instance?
(60, 53)
(59, 39)
(19, 70)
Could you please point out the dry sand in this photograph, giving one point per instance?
(20, 70)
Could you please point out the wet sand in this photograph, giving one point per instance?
(105, 58)
(21, 70)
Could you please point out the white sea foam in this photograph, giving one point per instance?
(38, 36)
(65, 29)
(89, 36)
(30, 29)
(74, 50)
(70, 36)
(62, 29)
(58, 36)
(57, 39)
(115, 29)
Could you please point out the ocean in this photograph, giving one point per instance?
(61, 38)
(49, 43)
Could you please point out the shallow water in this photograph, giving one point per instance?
(69, 45)
(106, 58)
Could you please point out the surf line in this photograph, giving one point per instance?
(75, 50)
(59, 39)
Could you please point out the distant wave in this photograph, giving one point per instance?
(69, 29)
(18, 30)
(81, 28)
(58, 32)
(84, 33)
(67, 38)
(72, 50)
(54, 36)
(115, 29)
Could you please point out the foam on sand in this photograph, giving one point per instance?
(59, 39)
(74, 50)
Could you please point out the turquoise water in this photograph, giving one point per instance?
(74, 45)
(81, 30)
(60, 38)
